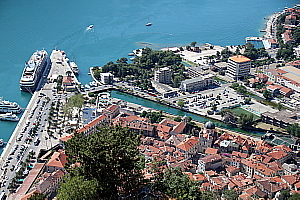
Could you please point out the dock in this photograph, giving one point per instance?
(36, 112)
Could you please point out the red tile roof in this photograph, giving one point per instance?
(66, 138)
(211, 158)
(58, 159)
(211, 151)
(277, 154)
(187, 144)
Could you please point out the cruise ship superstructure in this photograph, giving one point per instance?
(9, 107)
(33, 71)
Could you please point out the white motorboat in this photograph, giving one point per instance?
(9, 117)
(90, 27)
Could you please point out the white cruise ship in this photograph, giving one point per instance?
(33, 71)
(9, 117)
(9, 107)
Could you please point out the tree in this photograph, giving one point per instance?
(77, 188)
(295, 196)
(230, 195)
(247, 100)
(193, 44)
(180, 103)
(293, 129)
(177, 119)
(37, 196)
(109, 156)
(267, 94)
(214, 107)
(279, 106)
(246, 120)
(285, 194)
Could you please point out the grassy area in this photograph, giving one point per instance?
(190, 62)
(220, 79)
(239, 111)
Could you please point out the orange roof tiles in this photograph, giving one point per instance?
(187, 144)
(211, 151)
(291, 179)
(66, 138)
(286, 90)
(277, 154)
(58, 159)
(179, 128)
(211, 158)
(239, 154)
(240, 59)
(199, 177)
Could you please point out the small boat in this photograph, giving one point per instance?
(149, 24)
(9, 117)
(93, 84)
(74, 67)
(1, 143)
(131, 54)
(87, 86)
(90, 27)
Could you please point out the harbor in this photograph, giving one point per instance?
(23, 139)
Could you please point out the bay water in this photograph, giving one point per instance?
(119, 27)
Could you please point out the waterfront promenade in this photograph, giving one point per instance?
(36, 114)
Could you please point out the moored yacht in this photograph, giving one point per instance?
(9, 117)
(9, 107)
(74, 67)
(1, 143)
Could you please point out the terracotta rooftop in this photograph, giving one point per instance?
(66, 138)
(240, 59)
(211, 158)
(291, 179)
(58, 159)
(277, 154)
(187, 144)
(211, 151)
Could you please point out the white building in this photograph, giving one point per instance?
(106, 78)
(163, 75)
(238, 67)
(198, 83)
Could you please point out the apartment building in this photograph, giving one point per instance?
(238, 67)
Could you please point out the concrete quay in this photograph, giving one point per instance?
(35, 114)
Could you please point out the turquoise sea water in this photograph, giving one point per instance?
(27, 26)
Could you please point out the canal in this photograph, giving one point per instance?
(174, 111)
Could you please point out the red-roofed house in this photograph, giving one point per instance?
(112, 111)
(50, 183)
(210, 151)
(262, 78)
(56, 162)
(68, 83)
(279, 155)
(209, 162)
(91, 127)
(290, 180)
(189, 147)
(286, 91)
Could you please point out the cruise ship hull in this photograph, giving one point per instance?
(31, 78)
